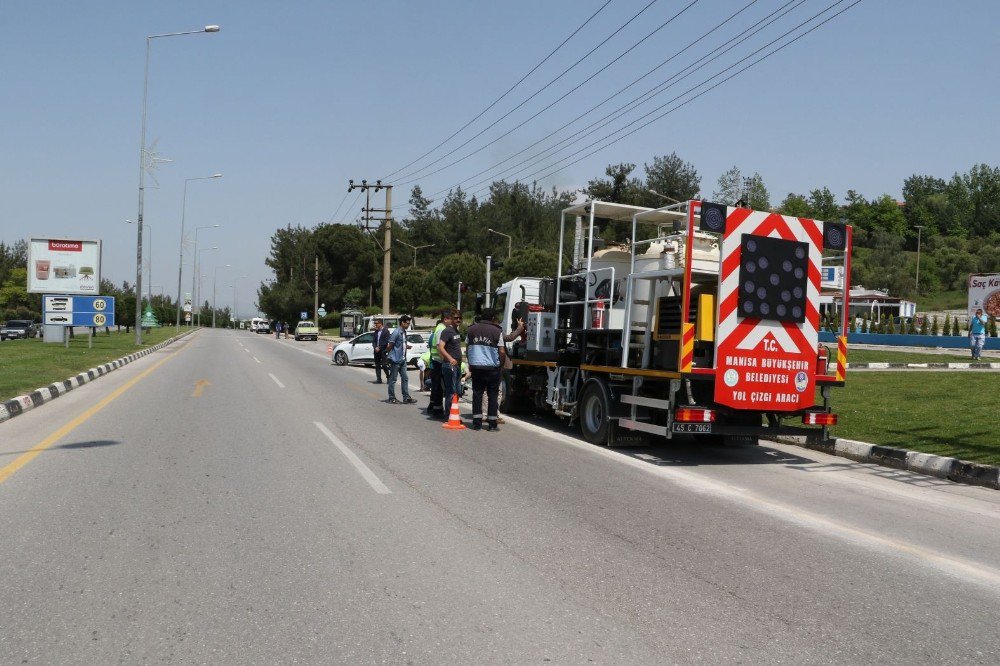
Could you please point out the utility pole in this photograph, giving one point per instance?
(489, 266)
(916, 286)
(386, 221)
(316, 294)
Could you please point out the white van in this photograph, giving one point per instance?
(258, 325)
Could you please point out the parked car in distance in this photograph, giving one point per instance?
(19, 329)
(258, 325)
(307, 330)
(361, 350)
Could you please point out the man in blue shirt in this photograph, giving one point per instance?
(396, 352)
(977, 334)
(485, 352)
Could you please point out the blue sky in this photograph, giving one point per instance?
(292, 99)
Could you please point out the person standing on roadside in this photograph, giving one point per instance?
(434, 406)
(396, 351)
(277, 329)
(977, 334)
(485, 359)
(450, 348)
(379, 343)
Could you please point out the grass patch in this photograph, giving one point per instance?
(945, 413)
(885, 356)
(26, 365)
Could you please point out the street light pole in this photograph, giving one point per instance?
(197, 292)
(142, 176)
(215, 280)
(414, 248)
(235, 302)
(509, 239)
(180, 264)
(663, 196)
(916, 287)
(196, 266)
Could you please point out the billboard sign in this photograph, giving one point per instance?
(984, 292)
(64, 266)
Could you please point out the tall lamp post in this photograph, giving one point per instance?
(236, 316)
(215, 280)
(916, 287)
(197, 264)
(509, 239)
(180, 264)
(414, 248)
(142, 176)
(197, 270)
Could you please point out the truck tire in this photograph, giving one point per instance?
(595, 413)
(510, 401)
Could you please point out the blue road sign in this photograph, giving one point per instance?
(79, 310)
(303, 316)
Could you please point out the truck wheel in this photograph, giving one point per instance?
(340, 358)
(510, 402)
(595, 413)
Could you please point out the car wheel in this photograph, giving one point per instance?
(340, 358)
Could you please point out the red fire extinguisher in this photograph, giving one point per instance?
(597, 315)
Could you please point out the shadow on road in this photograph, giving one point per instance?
(70, 446)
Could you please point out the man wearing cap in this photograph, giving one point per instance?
(396, 352)
(485, 359)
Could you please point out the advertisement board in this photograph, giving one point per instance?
(64, 266)
(984, 292)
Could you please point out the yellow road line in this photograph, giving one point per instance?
(199, 387)
(33, 452)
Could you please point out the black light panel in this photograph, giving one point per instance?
(773, 275)
(713, 217)
(834, 236)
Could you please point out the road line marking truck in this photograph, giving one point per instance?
(695, 318)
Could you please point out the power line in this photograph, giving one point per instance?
(613, 95)
(561, 97)
(703, 92)
(406, 178)
(727, 46)
(507, 92)
(339, 206)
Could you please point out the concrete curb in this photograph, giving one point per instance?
(924, 366)
(943, 467)
(23, 403)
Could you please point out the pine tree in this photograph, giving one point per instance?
(923, 326)
(992, 328)
(892, 326)
(851, 327)
(954, 327)
(934, 327)
(947, 325)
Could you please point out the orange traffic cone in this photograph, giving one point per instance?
(454, 420)
(329, 348)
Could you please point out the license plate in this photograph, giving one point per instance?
(691, 427)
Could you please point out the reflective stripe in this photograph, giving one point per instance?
(435, 354)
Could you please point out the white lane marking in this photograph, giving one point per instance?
(362, 468)
(258, 360)
(961, 568)
(276, 380)
(246, 350)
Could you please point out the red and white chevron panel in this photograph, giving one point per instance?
(763, 364)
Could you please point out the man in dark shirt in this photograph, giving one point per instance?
(450, 348)
(380, 342)
(485, 360)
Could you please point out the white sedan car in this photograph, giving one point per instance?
(361, 351)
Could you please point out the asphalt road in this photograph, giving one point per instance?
(237, 499)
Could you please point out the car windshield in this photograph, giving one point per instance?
(18, 324)
(415, 337)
